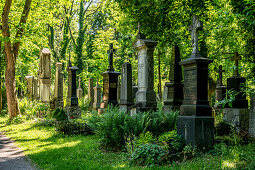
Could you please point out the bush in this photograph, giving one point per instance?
(148, 155)
(60, 115)
(223, 128)
(145, 139)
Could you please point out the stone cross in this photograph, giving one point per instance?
(140, 35)
(220, 71)
(235, 58)
(194, 28)
(110, 57)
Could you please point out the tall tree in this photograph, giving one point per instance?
(11, 53)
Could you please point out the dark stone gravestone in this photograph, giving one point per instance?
(145, 96)
(126, 98)
(252, 117)
(110, 83)
(195, 123)
(69, 86)
(173, 90)
(220, 92)
(238, 115)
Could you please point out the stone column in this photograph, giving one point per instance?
(220, 92)
(173, 90)
(74, 98)
(79, 90)
(90, 92)
(30, 87)
(252, 118)
(145, 96)
(69, 87)
(58, 90)
(35, 89)
(97, 96)
(126, 98)
(44, 75)
(195, 123)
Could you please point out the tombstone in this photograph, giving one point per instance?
(90, 92)
(97, 96)
(134, 90)
(195, 122)
(211, 89)
(238, 115)
(35, 89)
(30, 87)
(69, 86)
(252, 117)
(44, 75)
(145, 96)
(79, 90)
(58, 90)
(220, 92)
(173, 90)
(73, 110)
(110, 83)
(126, 98)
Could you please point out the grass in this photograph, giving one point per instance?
(50, 150)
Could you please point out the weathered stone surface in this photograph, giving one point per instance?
(126, 98)
(134, 90)
(90, 92)
(58, 89)
(195, 122)
(97, 96)
(173, 90)
(79, 90)
(35, 89)
(30, 86)
(69, 87)
(44, 75)
(252, 117)
(145, 96)
(74, 98)
(238, 118)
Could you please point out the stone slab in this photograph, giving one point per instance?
(238, 118)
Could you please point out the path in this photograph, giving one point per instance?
(11, 157)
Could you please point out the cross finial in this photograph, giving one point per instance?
(219, 83)
(235, 58)
(139, 34)
(110, 57)
(194, 28)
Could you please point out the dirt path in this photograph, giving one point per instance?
(11, 157)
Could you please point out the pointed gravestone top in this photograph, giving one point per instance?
(194, 29)
(175, 69)
(45, 51)
(110, 52)
(236, 58)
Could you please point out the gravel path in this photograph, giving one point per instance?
(11, 157)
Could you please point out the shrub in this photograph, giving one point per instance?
(145, 139)
(148, 155)
(223, 128)
(60, 115)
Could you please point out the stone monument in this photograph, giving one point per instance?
(145, 96)
(220, 92)
(252, 117)
(173, 90)
(79, 90)
(69, 87)
(90, 92)
(58, 89)
(195, 123)
(126, 98)
(97, 96)
(30, 87)
(44, 75)
(35, 89)
(110, 83)
(238, 115)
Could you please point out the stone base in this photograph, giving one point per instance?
(252, 122)
(238, 118)
(168, 108)
(196, 130)
(73, 111)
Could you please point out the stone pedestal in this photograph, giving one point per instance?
(97, 97)
(44, 75)
(35, 89)
(126, 98)
(30, 86)
(236, 83)
(90, 92)
(134, 90)
(220, 94)
(238, 118)
(58, 89)
(74, 98)
(195, 122)
(69, 87)
(145, 96)
(79, 90)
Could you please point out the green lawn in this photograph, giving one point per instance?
(52, 151)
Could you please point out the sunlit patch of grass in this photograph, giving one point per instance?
(228, 164)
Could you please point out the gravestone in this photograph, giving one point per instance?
(110, 83)
(90, 92)
(44, 75)
(238, 115)
(97, 96)
(220, 92)
(58, 90)
(30, 86)
(35, 89)
(195, 123)
(134, 90)
(79, 90)
(126, 98)
(145, 96)
(73, 110)
(252, 117)
(69, 86)
(173, 90)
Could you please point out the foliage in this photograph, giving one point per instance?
(15, 120)
(60, 115)
(148, 155)
(145, 139)
(223, 128)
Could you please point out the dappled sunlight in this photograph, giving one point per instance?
(228, 164)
